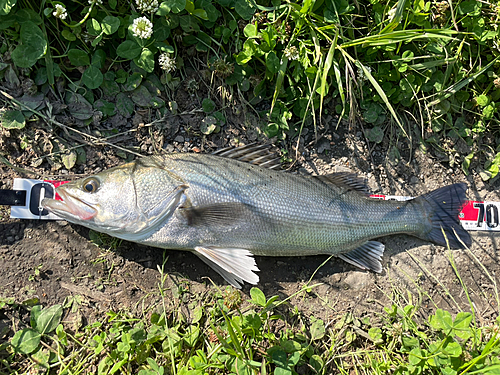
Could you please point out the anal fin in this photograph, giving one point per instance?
(366, 256)
(234, 265)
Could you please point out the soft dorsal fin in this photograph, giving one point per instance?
(253, 154)
(346, 180)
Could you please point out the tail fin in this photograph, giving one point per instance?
(444, 205)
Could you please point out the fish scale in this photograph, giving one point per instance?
(309, 222)
(227, 210)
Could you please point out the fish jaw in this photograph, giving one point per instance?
(70, 208)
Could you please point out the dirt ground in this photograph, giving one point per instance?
(56, 262)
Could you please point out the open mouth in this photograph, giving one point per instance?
(70, 207)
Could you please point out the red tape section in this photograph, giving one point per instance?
(56, 184)
(475, 215)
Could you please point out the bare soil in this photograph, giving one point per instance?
(56, 262)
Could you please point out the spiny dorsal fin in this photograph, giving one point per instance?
(346, 180)
(253, 154)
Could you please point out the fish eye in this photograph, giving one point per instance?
(91, 185)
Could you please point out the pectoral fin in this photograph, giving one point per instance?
(367, 256)
(234, 265)
(215, 214)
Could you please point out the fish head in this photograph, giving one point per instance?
(128, 201)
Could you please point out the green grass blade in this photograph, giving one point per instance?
(453, 89)
(379, 90)
(396, 20)
(279, 82)
(432, 64)
(326, 68)
(400, 36)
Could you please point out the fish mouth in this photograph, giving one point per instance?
(71, 207)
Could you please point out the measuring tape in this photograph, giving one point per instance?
(26, 203)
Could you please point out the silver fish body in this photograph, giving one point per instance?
(226, 211)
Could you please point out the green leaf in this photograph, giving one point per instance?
(13, 120)
(68, 35)
(245, 8)
(462, 322)
(189, 6)
(141, 96)
(107, 108)
(317, 330)
(375, 333)
(6, 6)
(291, 346)
(208, 125)
(110, 88)
(482, 100)
(453, 349)
(176, 6)
(124, 105)
(376, 134)
(146, 60)
(93, 27)
(69, 159)
(33, 46)
(415, 356)
(316, 362)
(294, 358)
(129, 50)
(272, 62)
(26, 341)
(163, 9)
(200, 13)
(489, 111)
(133, 82)
(272, 129)
(92, 77)
(99, 59)
(110, 24)
(250, 30)
(191, 335)
(441, 320)
(78, 57)
(448, 371)
(121, 76)
(282, 371)
(279, 357)
(78, 106)
(49, 319)
(208, 105)
(258, 297)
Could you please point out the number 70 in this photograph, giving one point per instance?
(492, 218)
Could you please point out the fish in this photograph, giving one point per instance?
(229, 206)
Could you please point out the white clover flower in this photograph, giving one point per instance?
(292, 53)
(60, 12)
(147, 5)
(391, 13)
(361, 73)
(98, 2)
(166, 62)
(142, 28)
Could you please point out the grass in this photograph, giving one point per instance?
(408, 70)
(221, 333)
